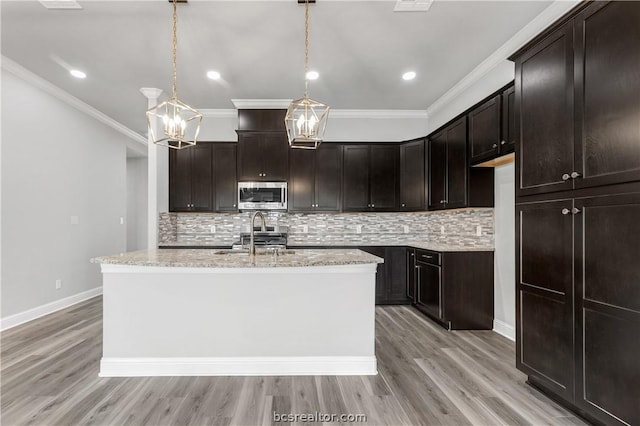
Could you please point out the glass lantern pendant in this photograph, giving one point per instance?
(306, 119)
(180, 123)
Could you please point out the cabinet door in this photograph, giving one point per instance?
(484, 130)
(275, 157)
(608, 307)
(544, 115)
(457, 167)
(226, 185)
(355, 186)
(437, 171)
(509, 134)
(250, 157)
(201, 177)
(384, 177)
(412, 176)
(544, 308)
(328, 183)
(301, 180)
(411, 274)
(396, 260)
(180, 180)
(608, 89)
(429, 289)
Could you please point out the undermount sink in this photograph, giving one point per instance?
(259, 252)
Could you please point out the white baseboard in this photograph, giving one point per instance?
(46, 309)
(239, 366)
(504, 329)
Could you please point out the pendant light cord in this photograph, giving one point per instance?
(306, 48)
(175, 47)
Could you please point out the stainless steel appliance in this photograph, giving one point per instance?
(270, 238)
(262, 196)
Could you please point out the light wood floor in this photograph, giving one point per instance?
(428, 376)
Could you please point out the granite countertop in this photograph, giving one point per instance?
(426, 245)
(211, 258)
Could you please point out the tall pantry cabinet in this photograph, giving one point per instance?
(577, 96)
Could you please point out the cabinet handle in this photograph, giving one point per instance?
(503, 142)
(566, 176)
(368, 205)
(575, 175)
(566, 211)
(495, 145)
(442, 201)
(403, 205)
(233, 205)
(373, 205)
(426, 256)
(575, 210)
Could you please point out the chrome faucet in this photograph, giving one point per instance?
(252, 245)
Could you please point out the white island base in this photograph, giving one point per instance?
(186, 321)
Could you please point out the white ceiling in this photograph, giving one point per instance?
(360, 48)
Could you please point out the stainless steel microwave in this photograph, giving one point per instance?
(262, 195)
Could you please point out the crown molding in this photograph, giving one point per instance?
(219, 113)
(37, 81)
(261, 103)
(380, 114)
(548, 16)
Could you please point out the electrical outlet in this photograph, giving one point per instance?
(305, 229)
(479, 231)
(122, 221)
(358, 229)
(406, 229)
(58, 284)
(212, 228)
(442, 229)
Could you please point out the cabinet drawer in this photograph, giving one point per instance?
(426, 256)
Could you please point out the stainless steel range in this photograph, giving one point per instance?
(271, 238)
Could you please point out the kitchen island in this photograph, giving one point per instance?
(187, 312)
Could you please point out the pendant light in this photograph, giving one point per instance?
(306, 119)
(180, 122)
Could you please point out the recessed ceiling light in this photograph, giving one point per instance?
(78, 74)
(213, 75)
(312, 75)
(409, 75)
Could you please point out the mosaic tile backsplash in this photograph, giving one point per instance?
(458, 227)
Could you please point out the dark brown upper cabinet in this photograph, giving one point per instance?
(492, 127)
(412, 176)
(544, 115)
(191, 179)
(263, 156)
(448, 167)
(224, 171)
(607, 94)
(484, 130)
(509, 134)
(578, 102)
(202, 178)
(370, 180)
(315, 179)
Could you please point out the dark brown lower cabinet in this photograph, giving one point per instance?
(391, 276)
(578, 310)
(455, 288)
